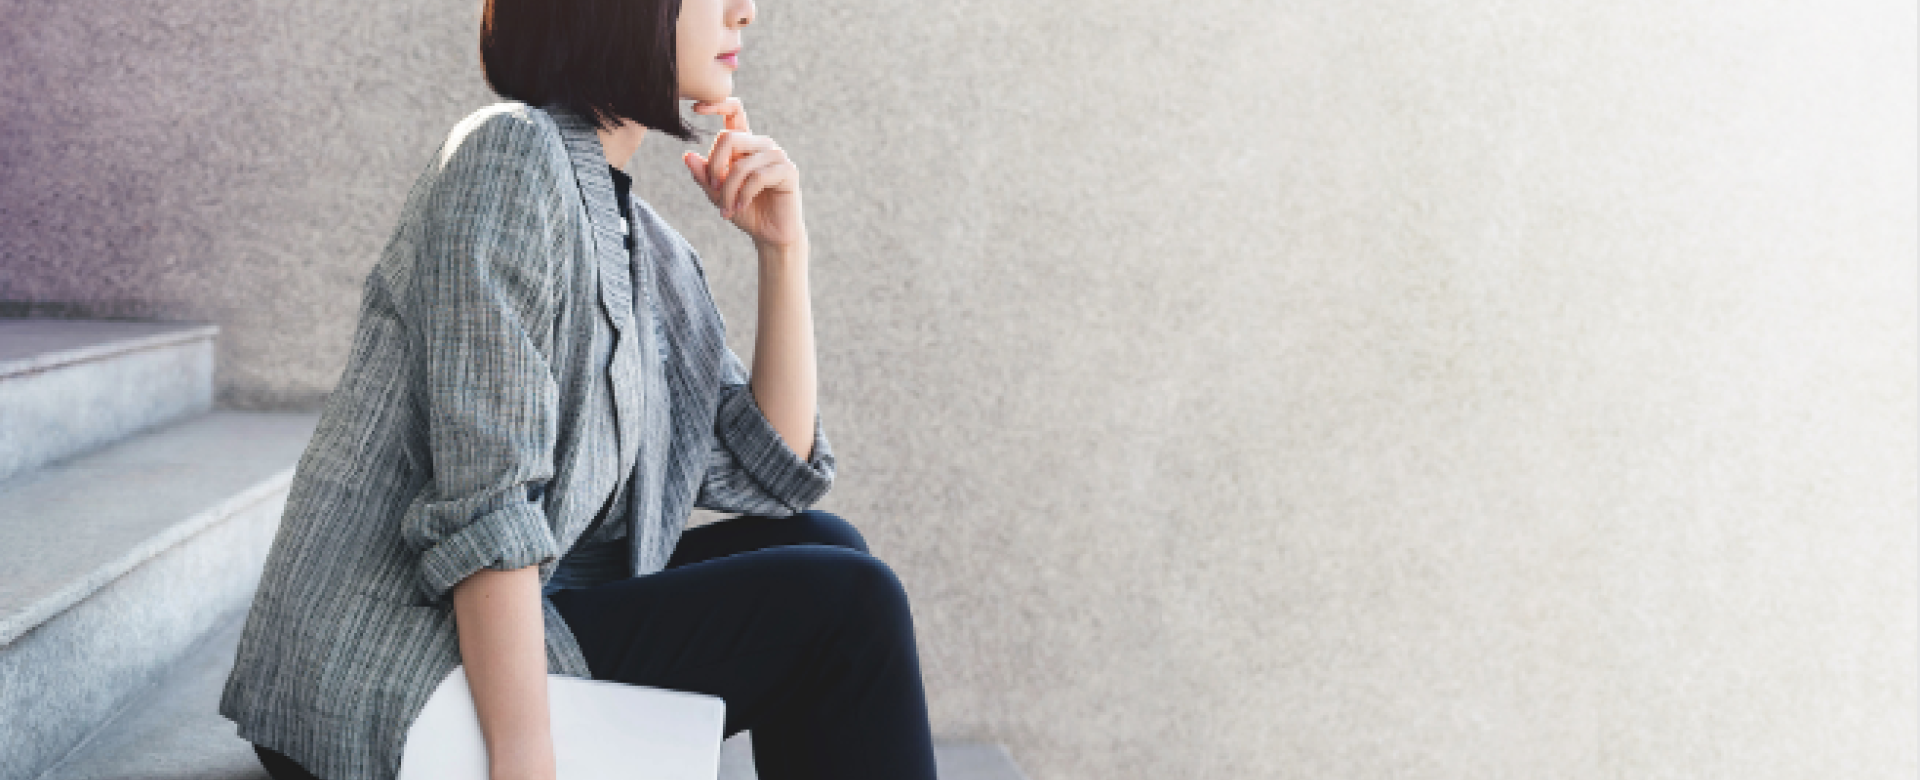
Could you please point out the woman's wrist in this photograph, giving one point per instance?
(782, 254)
(525, 762)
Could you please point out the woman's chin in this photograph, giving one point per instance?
(714, 94)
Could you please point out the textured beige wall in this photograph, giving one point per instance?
(1243, 390)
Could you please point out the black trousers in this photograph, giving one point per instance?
(807, 637)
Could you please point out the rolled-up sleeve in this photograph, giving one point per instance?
(483, 301)
(750, 468)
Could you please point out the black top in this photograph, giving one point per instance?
(622, 184)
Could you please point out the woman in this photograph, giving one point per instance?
(538, 393)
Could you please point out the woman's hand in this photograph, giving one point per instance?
(750, 179)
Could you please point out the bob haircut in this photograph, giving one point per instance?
(582, 55)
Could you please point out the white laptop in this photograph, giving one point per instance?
(602, 730)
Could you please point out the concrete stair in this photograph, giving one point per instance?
(134, 521)
(133, 518)
(67, 386)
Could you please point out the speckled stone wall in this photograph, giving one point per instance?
(1242, 390)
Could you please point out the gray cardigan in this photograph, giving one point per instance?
(473, 428)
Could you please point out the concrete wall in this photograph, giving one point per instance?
(1243, 390)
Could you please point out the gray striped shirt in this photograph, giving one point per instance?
(602, 553)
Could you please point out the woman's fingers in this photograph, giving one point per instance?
(697, 165)
(728, 148)
(732, 110)
(740, 165)
(730, 153)
(758, 170)
(759, 181)
(720, 157)
(719, 172)
(726, 193)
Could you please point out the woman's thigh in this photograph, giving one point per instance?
(768, 630)
(750, 532)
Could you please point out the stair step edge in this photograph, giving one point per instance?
(14, 626)
(174, 333)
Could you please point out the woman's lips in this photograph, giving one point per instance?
(730, 59)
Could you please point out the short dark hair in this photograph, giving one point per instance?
(605, 60)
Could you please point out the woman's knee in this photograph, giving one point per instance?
(847, 579)
(876, 587)
(829, 528)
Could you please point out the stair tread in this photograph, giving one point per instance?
(71, 527)
(175, 732)
(36, 344)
